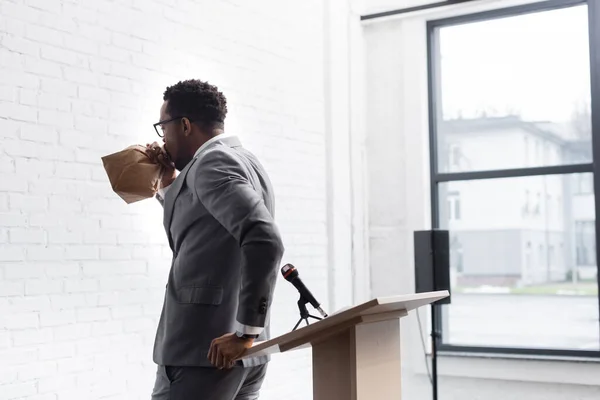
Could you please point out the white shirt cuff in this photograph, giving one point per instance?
(247, 329)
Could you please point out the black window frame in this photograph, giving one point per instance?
(437, 178)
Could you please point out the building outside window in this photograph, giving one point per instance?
(585, 243)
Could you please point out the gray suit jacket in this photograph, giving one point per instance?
(218, 215)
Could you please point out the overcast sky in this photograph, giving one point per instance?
(535, 63)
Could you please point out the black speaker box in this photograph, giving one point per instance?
(432, 262)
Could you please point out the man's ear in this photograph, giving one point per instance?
(187, 127)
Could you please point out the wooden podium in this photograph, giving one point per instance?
(356, 351)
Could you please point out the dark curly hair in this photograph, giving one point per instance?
(199, 101)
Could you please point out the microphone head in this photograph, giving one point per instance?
(289, 272)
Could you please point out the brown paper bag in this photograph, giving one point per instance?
(132, 175)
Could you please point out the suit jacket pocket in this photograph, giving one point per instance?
(212, 295)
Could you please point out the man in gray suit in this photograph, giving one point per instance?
(218, 215)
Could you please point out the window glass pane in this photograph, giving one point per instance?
(514, 92)
(523, 263)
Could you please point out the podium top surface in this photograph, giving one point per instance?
(345, 318)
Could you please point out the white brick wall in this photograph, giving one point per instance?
(82, 274)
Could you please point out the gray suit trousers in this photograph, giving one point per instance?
(205, 383)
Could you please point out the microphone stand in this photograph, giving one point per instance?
(304, 314)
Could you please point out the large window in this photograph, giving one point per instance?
(513, 178)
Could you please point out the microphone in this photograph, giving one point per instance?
(290, 273)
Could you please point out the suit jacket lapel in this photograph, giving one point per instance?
(170, 198)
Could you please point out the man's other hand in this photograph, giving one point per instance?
(225, 350)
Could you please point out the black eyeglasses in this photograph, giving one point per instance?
(161, 133)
